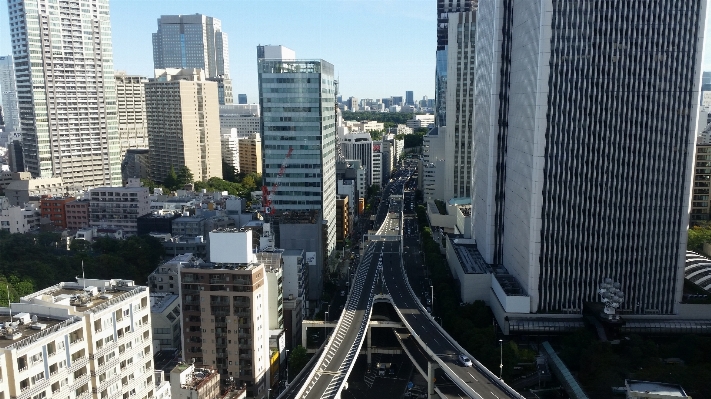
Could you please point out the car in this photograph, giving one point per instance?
(464, 360)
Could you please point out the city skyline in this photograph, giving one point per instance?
(369, 63)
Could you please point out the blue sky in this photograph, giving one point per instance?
(380, 48)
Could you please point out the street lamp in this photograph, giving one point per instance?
(501, 358)
(327, 315)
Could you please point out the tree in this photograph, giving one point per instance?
(229, 173)
(171, 180)
(413, 140)
(185, 176)
(698, 236)
(297, 360)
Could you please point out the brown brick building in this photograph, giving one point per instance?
(54, 209)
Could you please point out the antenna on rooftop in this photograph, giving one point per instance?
(82, 274)
(7, 287)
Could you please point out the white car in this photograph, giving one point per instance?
(464, 360)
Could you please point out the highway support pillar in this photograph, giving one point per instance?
(369, 345)
(431, 367)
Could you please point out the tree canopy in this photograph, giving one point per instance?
(394, 118)
(32, 262)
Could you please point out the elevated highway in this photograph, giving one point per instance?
(383, 259)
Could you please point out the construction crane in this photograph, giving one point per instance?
(268, 191)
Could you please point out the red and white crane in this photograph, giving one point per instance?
(268, 191)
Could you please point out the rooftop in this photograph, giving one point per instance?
(658, 388)
(24, 329)
(160, 301)
(86, 295)
(468, 255)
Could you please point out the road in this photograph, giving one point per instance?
(430, 334)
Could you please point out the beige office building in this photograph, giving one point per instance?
(131, 111)
(183, 124)
(250, 154)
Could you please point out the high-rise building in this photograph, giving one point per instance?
(578, 176)
(360, 146)
(242, 117)
(444, 7)
(131, 110)
(460, 102)
(409, 98)
(700, 209)
(224, 90)
(241, 99)
(250, 154)
(8, 92)
(307, 130)
(183, 124)
(191, 41)
(232, 333)
(66, 90)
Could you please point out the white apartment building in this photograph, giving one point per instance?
(65, 78)
(243, 117)
(230, 148)
(119, 207)
(183, 124)
(420, 121)
(131, 111)
(79, 340)
(18, 219)
(360, 146)
(165, 321)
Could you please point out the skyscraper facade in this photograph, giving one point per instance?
(66, 90)
(297, 100)
(460, 100)
(444, 7)
(584, 144)
(10, 108)
(191, 41)
(241, 99)
(131, 110)
(194, 41)
(409, 98)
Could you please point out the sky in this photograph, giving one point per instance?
(380, 48)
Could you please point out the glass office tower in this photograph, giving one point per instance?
(297, 100)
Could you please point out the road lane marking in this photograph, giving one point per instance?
(470, 374)
(494, 395)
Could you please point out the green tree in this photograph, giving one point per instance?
(171, 180)
(698, 236)
(297, 360)
(185, 176)
(229, 173)
(413, 140)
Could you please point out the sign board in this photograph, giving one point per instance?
(311, 258)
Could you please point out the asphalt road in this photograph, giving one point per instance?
(428, 331)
